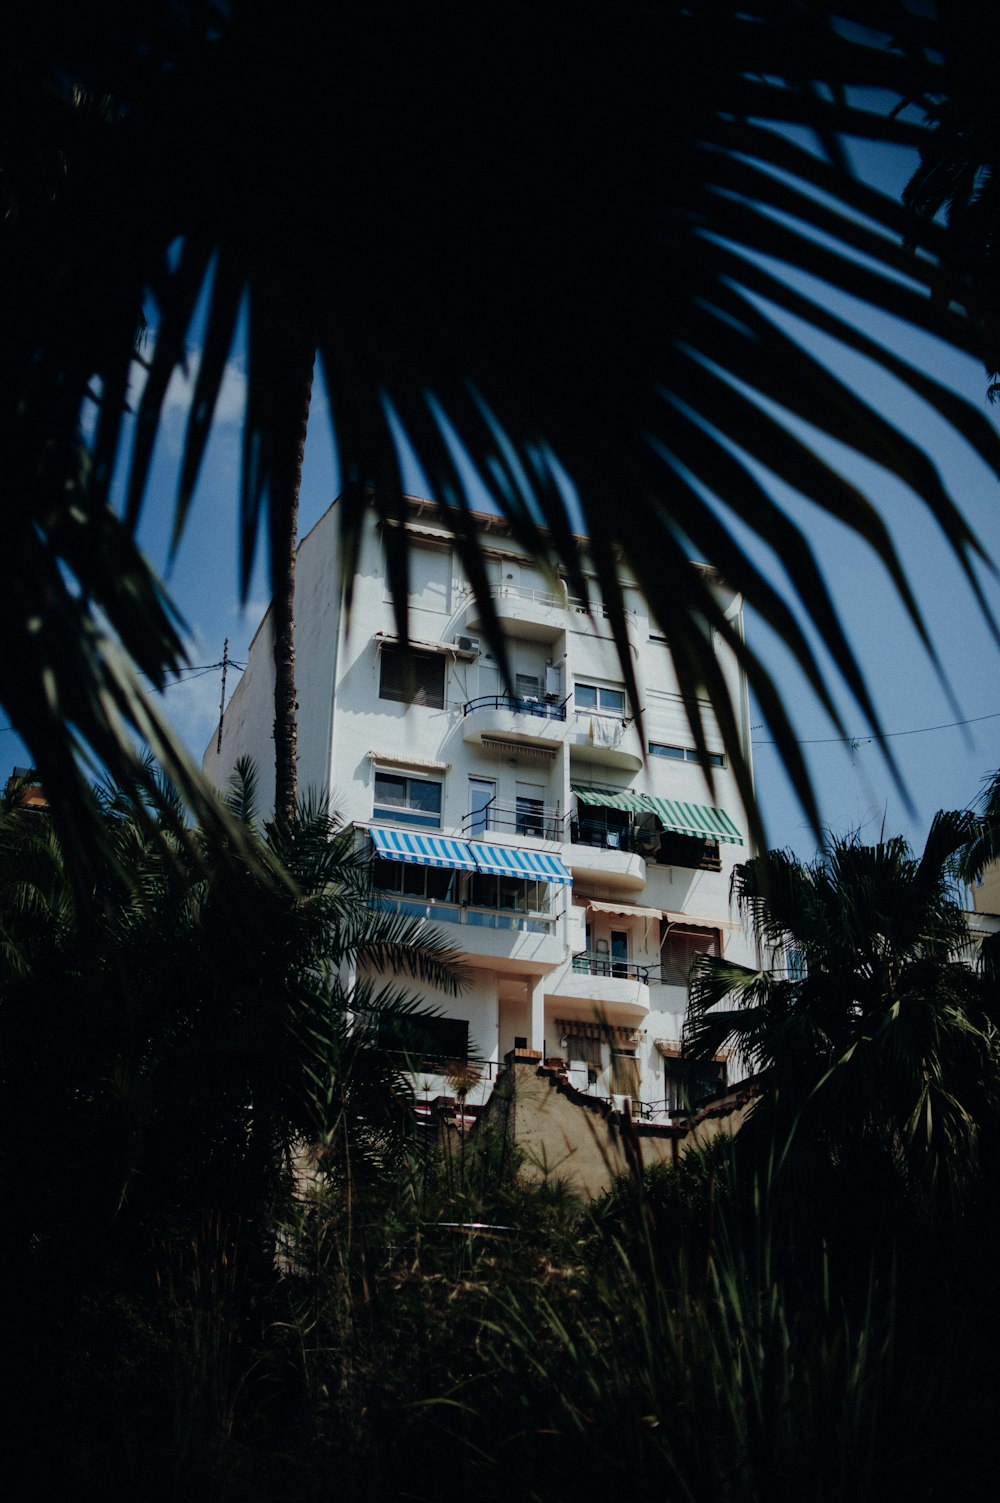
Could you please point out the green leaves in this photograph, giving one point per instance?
(880, 1034)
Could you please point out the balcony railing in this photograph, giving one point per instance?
(540, 822)
(596, 830)
(518, 704)
(458, 913)
(510, 591)
(588, 963)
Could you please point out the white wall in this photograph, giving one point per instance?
(342, 720)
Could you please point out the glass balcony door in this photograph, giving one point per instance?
(482, 795)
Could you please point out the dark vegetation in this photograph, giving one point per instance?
(810, 1312)
(234, 1272)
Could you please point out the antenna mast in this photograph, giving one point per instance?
(222, 698)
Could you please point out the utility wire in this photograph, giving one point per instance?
(198, 670)
(919, 730)
(193, 672)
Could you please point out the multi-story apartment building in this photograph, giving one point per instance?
(578, 869)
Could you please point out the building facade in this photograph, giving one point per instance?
(578, 870)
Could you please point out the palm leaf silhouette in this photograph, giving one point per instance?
(543, 245)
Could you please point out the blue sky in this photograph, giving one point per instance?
(940, 767)
(941, 763)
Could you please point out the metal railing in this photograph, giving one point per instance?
(588, 963)
(595, 830)
(541, 823)
(510, 591)
(443, 912)
(518, 704)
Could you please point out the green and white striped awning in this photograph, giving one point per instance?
(703, 821)
(611, 798)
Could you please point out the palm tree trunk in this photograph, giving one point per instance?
(297, 371)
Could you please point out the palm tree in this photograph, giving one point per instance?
(981, 852)
(554, 250)
(878, 1037)
(984, 845)
(169, 1044)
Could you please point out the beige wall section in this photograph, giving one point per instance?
(986, 895)
(561, 1137)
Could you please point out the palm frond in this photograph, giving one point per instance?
(591, 284)
(983, 845)
(886, 1034)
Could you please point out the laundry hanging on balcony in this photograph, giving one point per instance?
(606, 732)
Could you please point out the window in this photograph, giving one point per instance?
(688, 850)
(584, 1051)
(432, 1041)
(599, 699)
(624, 1072)
(431, 576)
(530, 809)
(508, 894)
(685, 754)
(414, 678)
(619, 952)
(687, 1084)
(680, 949)
(795, 963)
(435, 884)
(407, 801)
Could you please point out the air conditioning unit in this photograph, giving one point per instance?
(468, 644)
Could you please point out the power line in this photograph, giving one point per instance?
(198, 670)
(919, 730)
(182, 676)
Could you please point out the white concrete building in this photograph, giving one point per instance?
(577, 875)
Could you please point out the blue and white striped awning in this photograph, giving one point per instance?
(423, 850)
(516, 861)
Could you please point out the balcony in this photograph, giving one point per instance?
(616, 989)
(616, 869)
(606, 739)
(532, 614)
(527, 817)
(526, 943)
(591, 963)
(521, 719)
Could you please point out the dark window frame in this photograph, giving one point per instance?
(684, 754)
(411, 677)
(410, 879)
(618, 712)
(689, 851)
(428, 1042)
